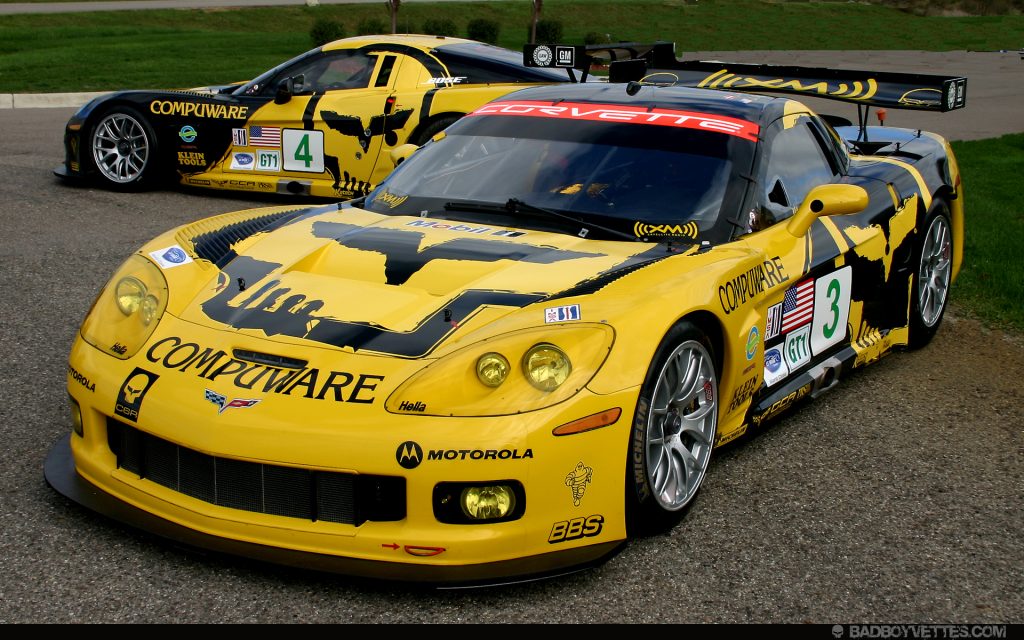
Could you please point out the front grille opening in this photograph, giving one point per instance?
(260, 488)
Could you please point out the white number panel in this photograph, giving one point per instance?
(831, 309)
(303, 151)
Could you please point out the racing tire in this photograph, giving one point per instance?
(432, 129)
(123, 149)
(673, 430)
(933, 265)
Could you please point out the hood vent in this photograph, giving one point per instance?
(212, 239)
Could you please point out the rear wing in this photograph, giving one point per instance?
(656, 64)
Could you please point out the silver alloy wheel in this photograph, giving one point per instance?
(934, 272)
(120, 148)
(681, 425)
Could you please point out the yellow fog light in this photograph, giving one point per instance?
(149, 309)
(546, 366)
(488, 503)
(76, 418)
(492, 369)
(129, 293)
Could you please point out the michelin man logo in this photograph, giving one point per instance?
(577, 480)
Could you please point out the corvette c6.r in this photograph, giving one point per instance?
(522, 347)
(322, 124)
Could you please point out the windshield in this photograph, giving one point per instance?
(649, 181)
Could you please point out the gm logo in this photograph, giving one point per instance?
(409, 455)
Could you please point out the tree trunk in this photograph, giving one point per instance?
(537, 6)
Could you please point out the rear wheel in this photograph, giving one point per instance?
(122, 148)
(673, 430)
(933, 260)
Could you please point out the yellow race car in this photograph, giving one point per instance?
(322, 124)
(518, 350)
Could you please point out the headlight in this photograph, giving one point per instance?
(128, 309)
(546, 366)
(511, 373)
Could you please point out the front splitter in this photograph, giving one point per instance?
(62, 476)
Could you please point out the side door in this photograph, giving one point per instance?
(326, 132)
(808, 320)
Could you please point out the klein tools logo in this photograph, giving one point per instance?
(644, 230)
(225, 404)
(409, 455)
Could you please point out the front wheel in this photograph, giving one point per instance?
(673, 430)
(432, 129)
(122, 148)
(933, 260)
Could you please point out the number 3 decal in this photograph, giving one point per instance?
(831, 309)
(303, 150)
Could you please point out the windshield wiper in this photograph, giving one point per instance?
(515, 205)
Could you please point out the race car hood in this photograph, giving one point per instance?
(396, 285)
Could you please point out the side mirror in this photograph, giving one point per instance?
(827, 200)
(401, 153)
(285, 91)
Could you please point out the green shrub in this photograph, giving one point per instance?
(483, 30)
(371, 26)
(594, 37)
(549, 31)
(440, 27)
(325, 30)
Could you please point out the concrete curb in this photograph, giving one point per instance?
(45, 100)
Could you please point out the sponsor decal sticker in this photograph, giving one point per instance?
(565, 56)
(447, 80)
(797, 306)
(726, 439)
(172, 256)
(773, 324)
(392, 200)
(312, 383)
(749, 284)
(622, 114)
(743, 393)
(240, 137)
(781, 405)
(467, 228)
(133, 392)
(264, 136)
(187, 134)
(831, 309)
(243, 161)
(191, 158)
(119, 349)
(644, 230)
(542, 55)
(775, 368)
(797, 350)
(577, 481)
(576, 528)
(562, 314)
(224, 404)
(268, 160)
(418, 407)
(198, 110)
(753, 338)
(410, 454)
(81, 379)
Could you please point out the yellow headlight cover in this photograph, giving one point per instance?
(455, 386)
(128, 309)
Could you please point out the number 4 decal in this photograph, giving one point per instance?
(303, 150)
(831, 309)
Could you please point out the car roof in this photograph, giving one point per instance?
(745, 106)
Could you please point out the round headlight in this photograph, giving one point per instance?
(129, 293)
(492, 369)
(546, 366)
(149, 308)
(488, 503)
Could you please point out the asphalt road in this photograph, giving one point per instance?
(896, 497)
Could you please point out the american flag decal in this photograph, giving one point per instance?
(798, 306)
(264, 136)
